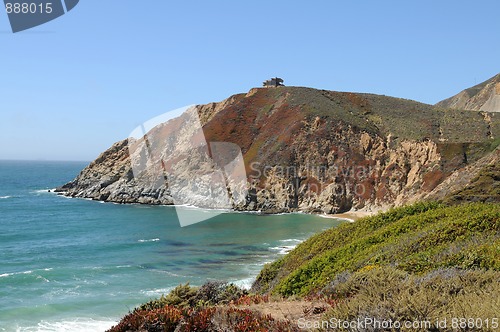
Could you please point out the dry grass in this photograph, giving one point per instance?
(389, 294)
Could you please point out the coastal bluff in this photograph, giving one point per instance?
(316, 151)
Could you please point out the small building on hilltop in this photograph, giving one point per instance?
(273, 82)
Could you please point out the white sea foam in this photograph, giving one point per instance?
(259, 264)
(258, 212)
(154, 293)
(288, 245)
(244, 283)
(282, 250)
(200, 209)
(168, 273)
(22, 272)
(43, 191)
(5, 197)
(150, 240)
(74, 325)
(291, 240)
(42, 278)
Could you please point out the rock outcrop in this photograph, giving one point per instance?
(477, 182)
(307, 150)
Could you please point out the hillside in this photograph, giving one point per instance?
(305, 150)
(477, 182)
(424, 262)
(415, 239)
(482, 97)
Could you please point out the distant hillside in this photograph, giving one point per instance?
(312, 150)
(482, 97)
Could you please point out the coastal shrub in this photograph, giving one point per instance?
(209, 294)
(181, 296)
(332, 238)
(152, 320)
(417, 239)
(349, 285)
(198, 320)
(243, 320)
(268, 276)
(171, 319)
(217, 292)
(385, 293)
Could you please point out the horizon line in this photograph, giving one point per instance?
(47, 160)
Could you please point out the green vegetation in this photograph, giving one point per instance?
(415, 239)
(403, 118)
(189, 309)
(186, 296)
(485, 187)
(390, 294)
(494, 144)
(170, 319)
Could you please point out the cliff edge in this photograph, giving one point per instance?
(314, 151)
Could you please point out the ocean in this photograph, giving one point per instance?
(79, 265)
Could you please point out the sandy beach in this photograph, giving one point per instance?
(351, 216)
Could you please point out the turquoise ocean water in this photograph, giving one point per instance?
(79, 265)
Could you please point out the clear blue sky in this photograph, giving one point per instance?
(72, 87)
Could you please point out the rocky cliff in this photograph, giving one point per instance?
(482, 97)
(303, 150)
(477, 182)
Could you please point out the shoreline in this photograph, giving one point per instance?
(350, 216)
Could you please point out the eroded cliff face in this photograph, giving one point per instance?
(304, 150)
(477, 182)
(350, 170)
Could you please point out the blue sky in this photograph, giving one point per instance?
(72, 87)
